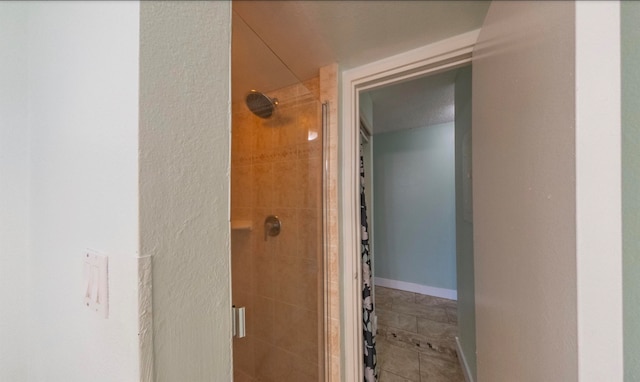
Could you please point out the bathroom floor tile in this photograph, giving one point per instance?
(436, 330)
(413, 326)
(424, 299)
(387, 295)
(434, 313)
(402, 362)
(437, 370)
(387, 376)
(452, 315)
(416, 342)
(397, 320)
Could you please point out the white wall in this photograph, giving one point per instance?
(547, 192)
(524, 193)
(70, 136)
(83, 118)
(14, 179)
(184, 185)
(598, 190)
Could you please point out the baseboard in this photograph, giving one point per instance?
(450, 294)
(463, 362)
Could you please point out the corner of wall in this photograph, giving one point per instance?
(184, 185)
(630, 12)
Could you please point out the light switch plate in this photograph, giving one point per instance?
(96, 282)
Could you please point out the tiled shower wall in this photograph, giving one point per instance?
(329, 94)
(277, 170)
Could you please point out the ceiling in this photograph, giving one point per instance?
(420, 102)
(282, 40)
(279, 43)
(254, 65)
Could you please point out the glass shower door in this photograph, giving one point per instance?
(276, 219)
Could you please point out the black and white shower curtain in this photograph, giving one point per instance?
(370, 374)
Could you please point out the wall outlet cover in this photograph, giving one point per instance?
(96, 282)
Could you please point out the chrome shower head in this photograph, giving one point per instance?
(260, 104)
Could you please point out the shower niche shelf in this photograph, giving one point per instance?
(241, 225)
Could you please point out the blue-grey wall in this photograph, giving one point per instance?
(414, 206)
(464, 222)
(630, 12)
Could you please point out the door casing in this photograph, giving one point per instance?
(430, 59)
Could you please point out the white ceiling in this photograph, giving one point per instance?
(421, 102)
(302, 36)
(254, 66)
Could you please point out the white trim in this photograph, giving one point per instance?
(443, 55)
(598, 191)
(468, 377)
(450, 294)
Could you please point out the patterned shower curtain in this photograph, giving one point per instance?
(370, 374)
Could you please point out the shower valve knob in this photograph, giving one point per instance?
(272, 226)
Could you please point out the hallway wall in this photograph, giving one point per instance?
(524, 194)
(414, 206)
(464, 221)
(546, 155)
(631, 186)
(14, 193)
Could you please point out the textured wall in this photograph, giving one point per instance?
(83, 120)
(14, 192)
(631, 186)
(464, 225)
(524, 193)
(414, 206)
(184, 185)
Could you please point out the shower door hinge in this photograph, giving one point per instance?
(238, 321)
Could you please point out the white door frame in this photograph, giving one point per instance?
(443, 55)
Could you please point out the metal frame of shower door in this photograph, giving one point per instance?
(325, 229)
(444, 55)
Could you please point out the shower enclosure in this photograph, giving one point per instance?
(277, 249)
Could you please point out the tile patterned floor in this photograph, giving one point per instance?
(416, 337)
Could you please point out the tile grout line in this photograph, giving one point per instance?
(415, 298)
(419, 367)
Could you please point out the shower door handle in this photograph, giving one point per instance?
(272, 226)
(238, 322)
(240, 329)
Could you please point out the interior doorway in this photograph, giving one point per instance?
(411, 145)
(430, 60)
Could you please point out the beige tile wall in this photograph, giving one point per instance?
(277, 170)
